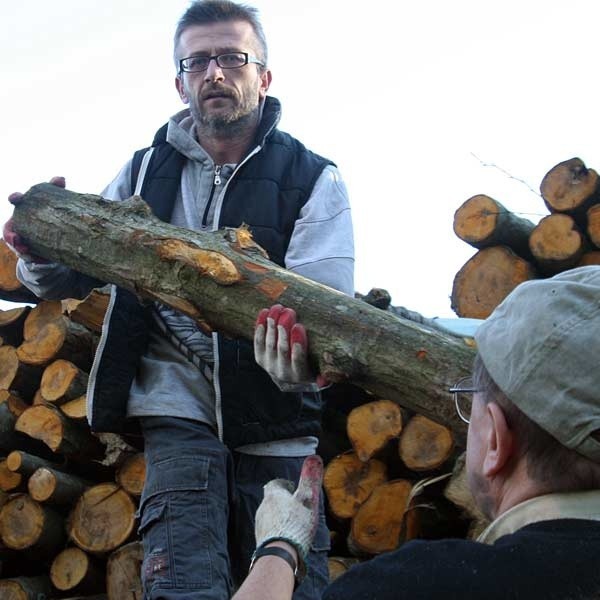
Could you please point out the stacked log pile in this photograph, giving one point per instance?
(68, 498)
(391, 476)
(511, 249)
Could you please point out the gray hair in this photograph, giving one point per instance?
(206, 12)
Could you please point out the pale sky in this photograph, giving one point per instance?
(410, 99)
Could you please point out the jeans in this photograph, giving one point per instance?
(197, 514)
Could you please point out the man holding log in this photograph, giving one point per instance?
(533, 466)
(216, 427)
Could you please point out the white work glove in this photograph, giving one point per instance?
(291, 516)
(280, 348)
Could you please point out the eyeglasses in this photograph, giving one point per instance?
(463, 397)
(227, 60)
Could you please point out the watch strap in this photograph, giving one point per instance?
(281, 553)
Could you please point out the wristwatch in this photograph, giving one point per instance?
(299, 569)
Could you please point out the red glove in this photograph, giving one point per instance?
(280, 348)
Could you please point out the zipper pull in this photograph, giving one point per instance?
(217, 175)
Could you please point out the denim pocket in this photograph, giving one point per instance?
(177, 473)
(183, 524)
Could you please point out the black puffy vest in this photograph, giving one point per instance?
(267, 193)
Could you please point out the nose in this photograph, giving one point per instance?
(213, 71)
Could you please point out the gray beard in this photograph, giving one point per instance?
(225, 126)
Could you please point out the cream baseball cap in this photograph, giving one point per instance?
(541, 346)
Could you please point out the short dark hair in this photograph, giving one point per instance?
(556, 467)
(206, 12)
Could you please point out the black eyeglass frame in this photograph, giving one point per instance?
(248, 59)
(455, 390)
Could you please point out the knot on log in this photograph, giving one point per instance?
(241, 240)
(207, 262)
(135, 204)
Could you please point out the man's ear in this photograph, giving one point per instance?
(499, 441)
(265, 82)
(181, 90)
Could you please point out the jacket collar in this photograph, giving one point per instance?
(573, 505)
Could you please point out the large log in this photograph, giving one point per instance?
(11, 288)
(103, 519)
(557, 243)
(50, 485)
(222, 280)
(425, 445)
(62, 381)
(571, 187)
(27, 525)
(26, 588)
(48, 424)
(349, 481)
(482, 221)
(372, 425)
(73, 570)
(11, 324)
(486, 279)
(123, 572)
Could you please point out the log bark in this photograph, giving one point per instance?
(485, 280)
(27, 525)
(557, 243)
(17, 375)
(27, 464)
(372, 425)
(482, 222)
(349, 481)
(9, 480)
(48, 424)
(50, 485)
(123, 572)
(222, 280)
(62, 381)
(73, 570)
(11, 407)
(570, 187)
(11, 324)
(425, 445)
(102, 519)
(59, 339)
(26, 588)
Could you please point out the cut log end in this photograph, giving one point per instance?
(348, 482)
(476, 219)
(569, 185)
(486, 279)
(372, 425)
(102, 519)
(425, 445)
(378, 524)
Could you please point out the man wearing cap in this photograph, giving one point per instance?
(533, 465)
